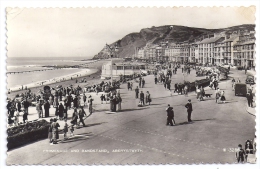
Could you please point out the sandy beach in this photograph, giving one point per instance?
(92, 77)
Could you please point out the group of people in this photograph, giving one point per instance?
(242, 154)
(170, 113)
(15, 109)
(144, 99)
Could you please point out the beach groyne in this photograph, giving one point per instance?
(80, 74)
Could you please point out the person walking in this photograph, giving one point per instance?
(90, 108)
(102, 98)
(39, 109)
(249, 97)
(46, 108)
(170, 115)
(128, 85)
(222, 97)
(217, 94)
(119, 102)
(233, 84)
(75, 102)
(131, 85)
(25, 116)
(26, 105)
(81, 115)
(189, 110)
(61, 111)
(142, 98)
(55, 131)
(50, 131)
(65, 130)
(143, 82)
(136, 92)
(148, 98)
(74, 117)
(240, 154)
(65, 112)
(84, 99)
(155, 79)
(140, 82)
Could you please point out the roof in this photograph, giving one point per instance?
(245, 43)
(231, 39)
(210, 40)
(219, 45)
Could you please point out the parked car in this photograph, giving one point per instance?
(250, 79)
(240, 89)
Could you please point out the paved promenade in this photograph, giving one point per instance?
(139, 134)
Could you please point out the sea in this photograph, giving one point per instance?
(21, 64)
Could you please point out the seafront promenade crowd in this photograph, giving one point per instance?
(77, 98)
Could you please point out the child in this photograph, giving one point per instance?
(65, 130)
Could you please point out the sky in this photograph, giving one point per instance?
(74, 32)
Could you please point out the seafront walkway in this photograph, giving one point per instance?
(139, 134)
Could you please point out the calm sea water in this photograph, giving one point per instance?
(15, 64)
(32, 63)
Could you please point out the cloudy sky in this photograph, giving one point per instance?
(76, 32)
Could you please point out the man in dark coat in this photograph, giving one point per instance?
(140, 82)
(136, 92)
(170, 116)
(61, 110)
(128, 85)
(142, 97)
(26, 105)
(249, 97)
(46, 108)
(81, 115)
(75, 102)
(69, 101)
(189, 110)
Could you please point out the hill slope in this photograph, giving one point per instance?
(172, 33)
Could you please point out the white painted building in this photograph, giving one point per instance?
(125, 68)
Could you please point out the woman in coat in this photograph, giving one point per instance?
(74, 117)
(46, 108)
(55, 131)
(148, 97)
(61, 111)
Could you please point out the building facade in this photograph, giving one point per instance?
(244, 50)
(237, 48)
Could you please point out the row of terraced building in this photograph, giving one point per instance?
(236, 48)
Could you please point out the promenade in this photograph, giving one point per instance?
(139, 134)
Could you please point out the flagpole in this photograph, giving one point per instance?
(111, 69)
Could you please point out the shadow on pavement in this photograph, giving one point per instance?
(228, 102)
(127, 110)
(94, 124)
(74, 139)
(184, 123)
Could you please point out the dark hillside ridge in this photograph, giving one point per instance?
(171, 33)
